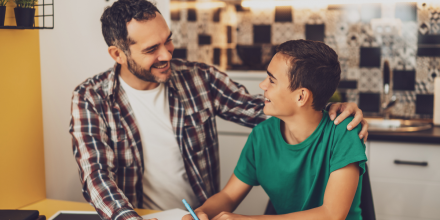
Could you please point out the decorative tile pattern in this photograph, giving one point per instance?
(267, 52)
(352, 96)
(263, 16)
(219, 39)
(245, 34)
(205, 54)
(427, 69)
(353, 73)
(404, 58)
(351, 54)
(282, 32)
(405, 35)
(180, 35)
(405, 105)
(192, 35)
(370, 80)
(299, 31)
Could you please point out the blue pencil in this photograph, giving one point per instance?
(190, 210)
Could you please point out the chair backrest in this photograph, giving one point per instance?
(270, 210)
(366, 205)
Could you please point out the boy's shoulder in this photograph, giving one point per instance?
(269, 123)
(265, 129)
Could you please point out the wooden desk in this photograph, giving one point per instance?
(49, 207)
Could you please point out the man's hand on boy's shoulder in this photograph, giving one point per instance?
(347, 109)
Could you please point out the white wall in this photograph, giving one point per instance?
(70, 53)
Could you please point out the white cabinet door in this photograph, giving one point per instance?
(415, 199)
(230, 149)
(384, 154)
(405, 191)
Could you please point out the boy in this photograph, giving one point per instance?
(309, 167)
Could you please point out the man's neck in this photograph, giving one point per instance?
(135, 82)
(300, 126)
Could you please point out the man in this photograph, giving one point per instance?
(144, 132)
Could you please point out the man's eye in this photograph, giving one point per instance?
(169, 40)
(151, 51)
(270, 80)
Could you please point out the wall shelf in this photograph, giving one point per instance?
(42, 17)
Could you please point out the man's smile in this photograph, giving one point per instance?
(159, 66)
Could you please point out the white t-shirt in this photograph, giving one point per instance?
(165, 182)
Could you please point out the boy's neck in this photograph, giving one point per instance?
(299, 127)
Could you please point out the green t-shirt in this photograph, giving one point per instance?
(295, 176)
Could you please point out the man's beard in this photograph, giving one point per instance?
(144, 74)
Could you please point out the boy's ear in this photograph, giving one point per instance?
(304, 96)
(117, 54)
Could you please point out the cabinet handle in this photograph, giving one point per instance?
(423, 164)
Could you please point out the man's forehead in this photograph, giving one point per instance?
(149, 31)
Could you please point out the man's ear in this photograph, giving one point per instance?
(304, 96)
(117, 54)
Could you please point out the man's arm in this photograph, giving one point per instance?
(96, 162)
(338, 197)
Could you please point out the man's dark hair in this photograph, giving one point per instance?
(114, 21)
(314, 66)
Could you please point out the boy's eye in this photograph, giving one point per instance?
(270, 80)
(169, 40)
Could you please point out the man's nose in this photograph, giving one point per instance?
(164, 54)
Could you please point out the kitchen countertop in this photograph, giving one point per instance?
(430, 136)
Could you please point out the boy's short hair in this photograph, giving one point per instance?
(314, 66)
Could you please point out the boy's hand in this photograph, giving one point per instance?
(230, 216)
(201, 215)
(346, 109)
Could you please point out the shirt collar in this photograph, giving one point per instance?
(114, 81)
(113, 87)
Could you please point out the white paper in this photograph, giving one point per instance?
(172, 214)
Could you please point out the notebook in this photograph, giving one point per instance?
(172, 214)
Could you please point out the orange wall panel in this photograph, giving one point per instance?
(22, 175)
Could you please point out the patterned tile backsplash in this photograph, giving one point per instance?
(407, 35)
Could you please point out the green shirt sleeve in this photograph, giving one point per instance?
(245, 169)
(347, 147)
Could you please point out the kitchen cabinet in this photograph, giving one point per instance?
(405, 191)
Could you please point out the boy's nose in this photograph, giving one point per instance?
(263, 84)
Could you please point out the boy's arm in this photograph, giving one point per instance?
(339, 194)
(225, 201)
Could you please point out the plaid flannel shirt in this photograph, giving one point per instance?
(107, 144)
